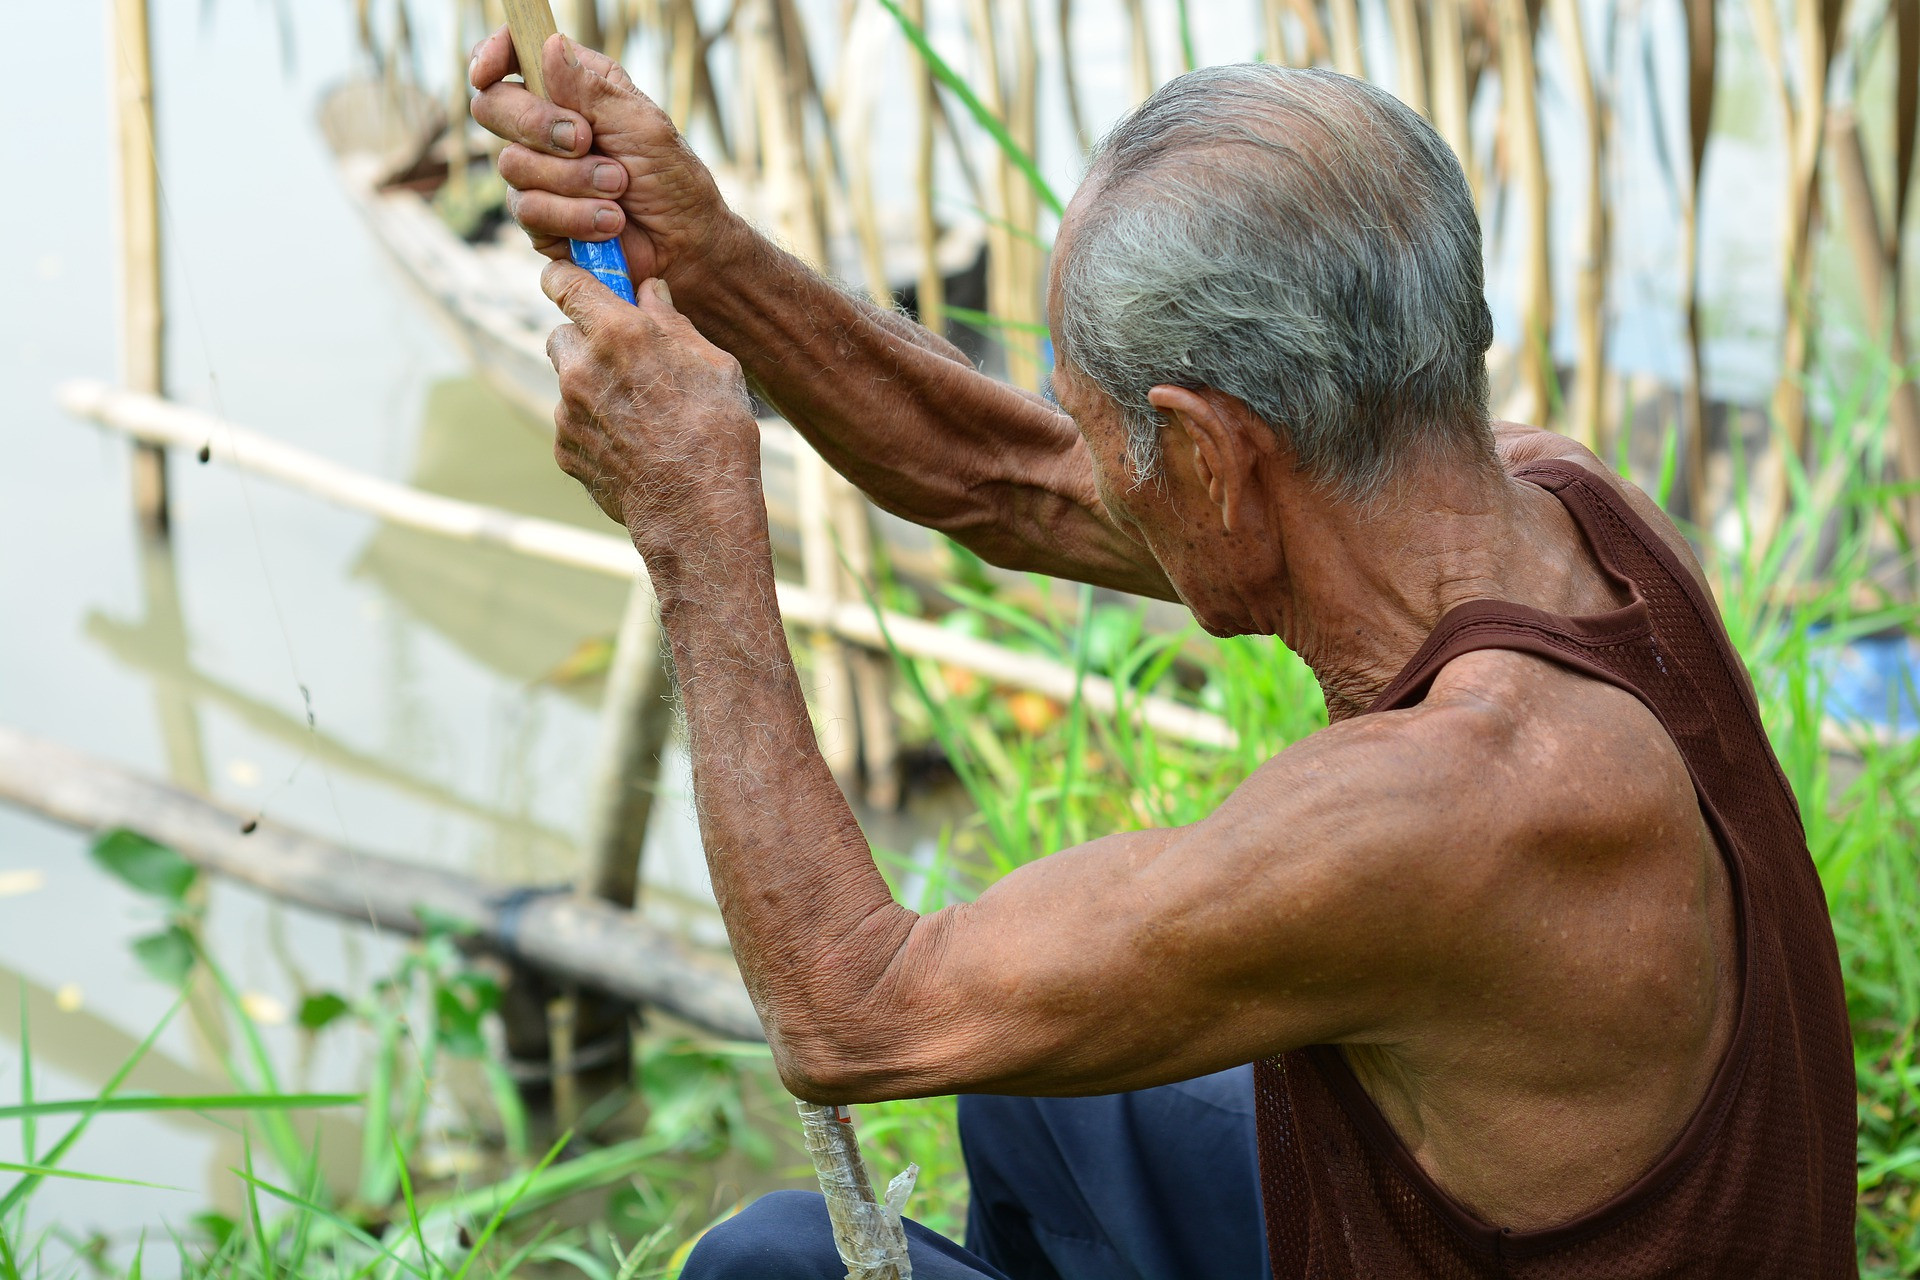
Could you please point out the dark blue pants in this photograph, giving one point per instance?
(1160, 1184)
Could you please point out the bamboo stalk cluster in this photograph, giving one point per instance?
(746, 78)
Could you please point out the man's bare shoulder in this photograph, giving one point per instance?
(1520, 445)
(1510, 759)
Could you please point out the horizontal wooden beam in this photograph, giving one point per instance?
(162, 422)
(590, 942)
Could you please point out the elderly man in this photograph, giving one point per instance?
(1526, 950)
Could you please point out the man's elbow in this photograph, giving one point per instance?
(838, 1070)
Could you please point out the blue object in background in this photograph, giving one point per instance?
(608, 262)
(1873, 681)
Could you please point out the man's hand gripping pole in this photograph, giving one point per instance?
(531, 22)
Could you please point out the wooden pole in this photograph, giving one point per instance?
(1878, 300)
(159, 422)
(1702, 50)
(594, 943)
(1590, 275)
(142, 300)
(636, 720)
(1518, 83)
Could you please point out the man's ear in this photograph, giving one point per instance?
(1217, 442)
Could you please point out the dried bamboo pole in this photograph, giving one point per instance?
(1273, 35)
(1590, 279)
(594, 943)
(933, 285)
(1314, 31)
(1448, 58)
(1069, 82)
(636, 720)
(782, 129)
(1529, 169)
(1803, 103)
(1140, 50)
(143, 332)
(683, 52)
(1866, 243)
(1409, 55)
(851, 107)
(155, 421)
(1702, 46)
(1344, 20)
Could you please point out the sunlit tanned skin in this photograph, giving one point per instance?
(1502, 903)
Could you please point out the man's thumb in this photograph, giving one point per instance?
(586, 301)
(591, 83)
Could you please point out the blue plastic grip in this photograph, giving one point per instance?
(608, 263)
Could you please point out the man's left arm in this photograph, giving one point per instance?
(1133, 960)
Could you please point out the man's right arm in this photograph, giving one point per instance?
(896, 409)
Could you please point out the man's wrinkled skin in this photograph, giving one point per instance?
(1502, 903)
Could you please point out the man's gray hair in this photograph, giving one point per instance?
(1298, 239)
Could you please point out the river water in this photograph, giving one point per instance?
(434, 733)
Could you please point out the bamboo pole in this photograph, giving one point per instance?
(159, 422)
(1319, 45)
(590, 942)
(1344, 20)
(1866, 243)
(1529, 168)
(1069, 82)
(1702, 47)
(933, 284)
(1590, 287)
(1447, 37)
(1803, 101)
(1409, 55)
(142, 287)
(1273, 35)
(1140, 54)
(636, 720)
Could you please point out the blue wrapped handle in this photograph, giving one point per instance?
(608, 263)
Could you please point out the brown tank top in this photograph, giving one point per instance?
(1760, 1183)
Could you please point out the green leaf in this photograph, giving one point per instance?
(144, 865)
(216, 1227)
(184, 1102)
(992, 123)
(322, 1010)
(51, 1171)
(167, 955)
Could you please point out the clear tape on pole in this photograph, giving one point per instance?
(866, 1230)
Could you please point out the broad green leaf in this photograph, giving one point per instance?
(322, 1010)
(167, 955)
(145, 865)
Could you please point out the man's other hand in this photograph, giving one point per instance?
(599, 160)
(653, 419)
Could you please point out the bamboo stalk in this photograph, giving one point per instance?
(1140, 52)
(1409, 55)
(1590, 287)
(1522, 125)
(160, 422)
(1273, 36)
(1866, 243)
(1344, 20)
(143, 333)
(1447, 39)
(1702, 47)
(933, 284)
(636, 720)
(1070, 83)
(1319, 45)
(591, 942)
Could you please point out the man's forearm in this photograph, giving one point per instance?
(812, 922)
(901, 413)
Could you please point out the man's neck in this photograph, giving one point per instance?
(1365, 591)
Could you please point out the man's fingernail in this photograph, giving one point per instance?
(606, 177)
(568, 52)
(661, 291)
(563, 135)
(606, 220)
